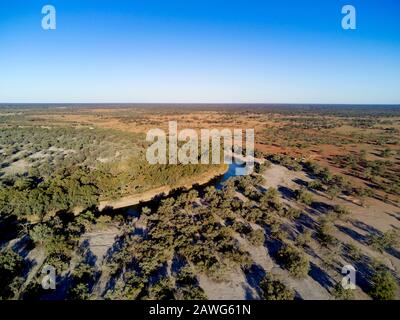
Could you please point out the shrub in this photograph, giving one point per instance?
(341, 293)
(304, 239)
(256, 237)
(80, 292)
(103, 221)
(191, 292)
(274, 289)
(341, 211)
(383, 286)
(11, 264)
(292, 213)
(162, 290)
(333, 191)
(385, 241)
(354, 252)
(325, 231)
(315, 185)
(303, 196)
(294, 261)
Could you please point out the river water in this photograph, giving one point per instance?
(234, 170)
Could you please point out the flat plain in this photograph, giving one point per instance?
(77, 193)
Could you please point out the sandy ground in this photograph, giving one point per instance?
(376, 215)
(99, 242)
(236, 288)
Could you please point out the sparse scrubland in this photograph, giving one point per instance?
(325, 193)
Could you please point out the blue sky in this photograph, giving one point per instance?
(200, 51)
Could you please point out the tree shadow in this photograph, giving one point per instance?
(254, 274)
(321, 206)
(87, 254)
(287, 193)
(23, 246)
(301, 182)
(364, 268)
(365, 227)
(304, 221)
(318, 275)
(353, 234)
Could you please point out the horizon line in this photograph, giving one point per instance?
(203, 103)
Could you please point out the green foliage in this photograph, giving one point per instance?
(385, 241)
(190, 293)
(40, 234)
(341, 212)
(303, 196)
(295, 261)
(341, 293)
(260, 168)
(325, 231)
(162, 290)
(89, 165)
(103, 221)
(384, 286)
(130, 287)
(80, 292)
(11, 265)
(256, 237)
(315, 185)
(292, 213)
(354, 252)
(304, 239)
(275, 289)
(286, 161)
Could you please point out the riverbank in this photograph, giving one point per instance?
(135, 199)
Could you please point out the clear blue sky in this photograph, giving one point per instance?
(200, 51)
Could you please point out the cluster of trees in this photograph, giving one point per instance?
(379, 172)
(333, 184)
(286, 161)
(274, 289)
(179, 227)
(31, 196)
(385, 241)
(303, 196)
(255, 237)
(80, 180)
(300, 136)
(384, 286)
(48, 149)
(294, 260)
(11, 266)
(81, 282)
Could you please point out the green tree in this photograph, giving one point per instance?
(384, 286)
(275, 289)
(294, 261)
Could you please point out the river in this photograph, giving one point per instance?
(218, 182)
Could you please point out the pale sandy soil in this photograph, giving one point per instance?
(20, 166)
(99, 242)
(375, 215)
(236, 288)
